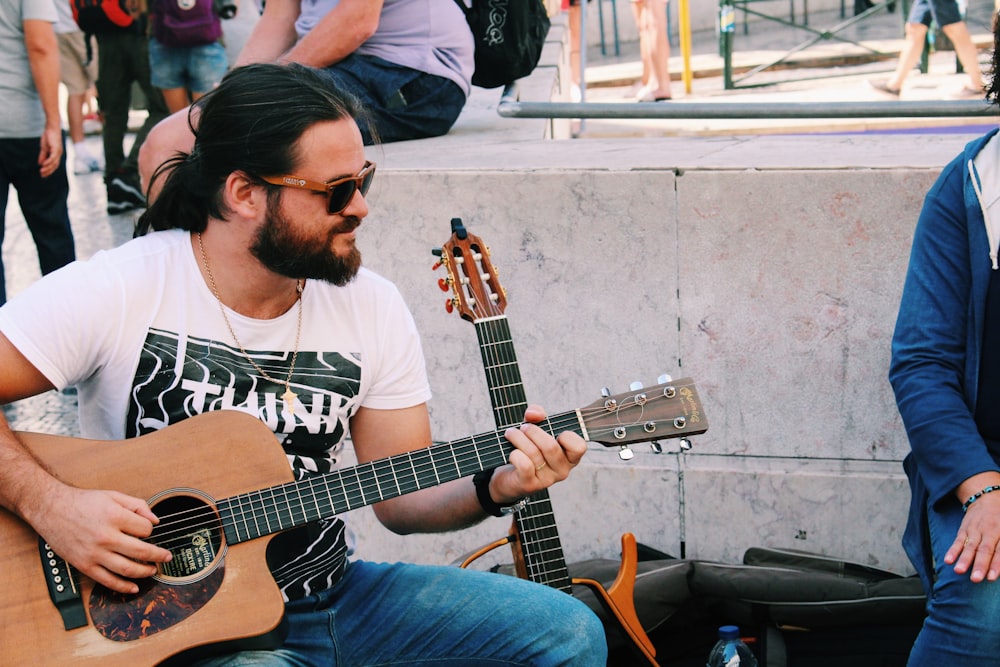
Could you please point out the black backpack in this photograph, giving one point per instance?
(509, 36)
(100, 17)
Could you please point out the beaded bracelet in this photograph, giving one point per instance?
(976, 496)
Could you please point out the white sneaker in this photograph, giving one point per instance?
(86, 164)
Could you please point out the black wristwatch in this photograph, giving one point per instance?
(482, 482)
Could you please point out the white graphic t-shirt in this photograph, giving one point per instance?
(140, 334)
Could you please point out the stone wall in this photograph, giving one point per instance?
(768, 269)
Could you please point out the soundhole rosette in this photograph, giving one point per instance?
(191, 530)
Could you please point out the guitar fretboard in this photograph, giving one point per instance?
(541, 548)
(271, 510)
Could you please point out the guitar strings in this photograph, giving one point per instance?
(464, 452)
(537, 534)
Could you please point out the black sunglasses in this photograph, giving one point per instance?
(339, 192)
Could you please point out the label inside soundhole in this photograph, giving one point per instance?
(190, 530)
(192, 555)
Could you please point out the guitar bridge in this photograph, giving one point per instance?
(63, 588)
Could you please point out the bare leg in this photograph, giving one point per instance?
(660, 47)
(74, 116)
(966, 51)
(574, 42)
(644, 56)
(916, 33)
(176, 98)
(655, 48)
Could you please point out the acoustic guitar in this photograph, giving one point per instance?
(479, 298)
(217, 519)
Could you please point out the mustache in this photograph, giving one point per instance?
(349, 224)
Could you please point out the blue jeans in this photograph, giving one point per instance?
(402, 614)
(199, 69)
(401, 103)
(943, 12)
(963, 619)
(43, 203)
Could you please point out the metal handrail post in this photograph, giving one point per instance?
(726, 28)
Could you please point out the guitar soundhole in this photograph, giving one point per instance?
(189, 529)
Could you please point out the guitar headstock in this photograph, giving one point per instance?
(472, 278)
(671, 409)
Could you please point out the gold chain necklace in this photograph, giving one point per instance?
(289, 396)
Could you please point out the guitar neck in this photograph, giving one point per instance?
(538, 537)
(255, 514)
(503, 375)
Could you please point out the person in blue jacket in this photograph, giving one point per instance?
(945, 373)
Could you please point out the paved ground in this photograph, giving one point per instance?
(831, 69)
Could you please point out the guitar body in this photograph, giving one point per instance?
(233, 597)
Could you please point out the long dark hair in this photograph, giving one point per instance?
(251, 123)
(993, 86)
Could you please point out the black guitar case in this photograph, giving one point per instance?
(794, 608)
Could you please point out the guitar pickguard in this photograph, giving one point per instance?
(157, 606)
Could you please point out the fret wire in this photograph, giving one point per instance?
(349, 487)
(374, 475)
(256, 505)
(264, 513)
(266, 506)
(361, 485)
(318, 512)
(413, 473)
(283, 514)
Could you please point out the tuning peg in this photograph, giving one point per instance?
(685, 444)
(635, 386)
(458, 228)
(437, 252)
(449, 305)
(605, 392)
(445, 284)
(625, 454)
(656, 447)
(663, 379)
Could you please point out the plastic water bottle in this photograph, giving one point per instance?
(729, 651)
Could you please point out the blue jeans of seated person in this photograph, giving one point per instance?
(43, 203)
(402, 103)
(402, 614)
(963, 619)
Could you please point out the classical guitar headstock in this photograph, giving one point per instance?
(472, 278)
(670, 409)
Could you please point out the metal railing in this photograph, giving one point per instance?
(511, 106)
(727, 24)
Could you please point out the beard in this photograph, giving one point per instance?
(282, 250)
